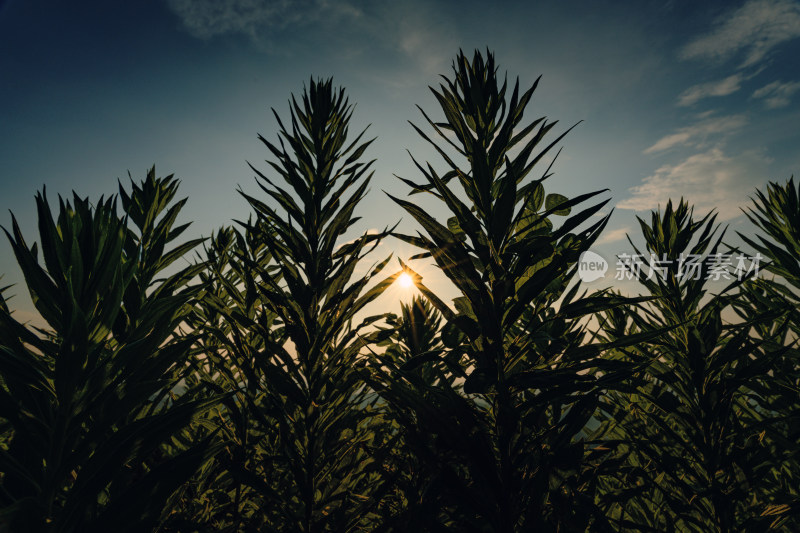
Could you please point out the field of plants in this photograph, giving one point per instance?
(248, 393)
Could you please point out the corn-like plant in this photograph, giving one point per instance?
(321, 475)
(92, 402)
(692, 423)
(506, 452)
(417, 332)
(416, 335)
(245, 391)
(776, 213)
(233, 329)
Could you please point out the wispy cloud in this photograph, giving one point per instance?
(416, 31)
(698, 134)
(418, 37)
(613, 235)
(427, 45)
(777, 94)
(709, 180)
(424, 37)
(754, 29)
(209, 18)
(712, 179)
(723, 87)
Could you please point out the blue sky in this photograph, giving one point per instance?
(693, 99)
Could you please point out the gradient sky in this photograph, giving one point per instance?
(693, 99)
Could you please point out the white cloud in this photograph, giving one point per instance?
(724, 87)
(754, 29)
(670, 141)
(209, 18)
(613, 235)
(698, 134)
(777, 94)
(708, 180)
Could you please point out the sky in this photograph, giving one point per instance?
(675, 99)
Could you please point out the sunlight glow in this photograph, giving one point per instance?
(405, 281)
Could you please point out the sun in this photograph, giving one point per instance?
(405, 280)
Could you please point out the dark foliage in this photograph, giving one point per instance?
(248, 391)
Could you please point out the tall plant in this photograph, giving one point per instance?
(233, 330)
(692, 423)
(92, 401)
(325, 478)
(505, 453)
(775, 211)
(417, 332)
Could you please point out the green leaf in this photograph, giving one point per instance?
(552, 202)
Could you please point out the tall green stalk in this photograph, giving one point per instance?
(775, 211)
(505, 453)
(327, 479)
(93, 400)
(234, 331)
(693, 421)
